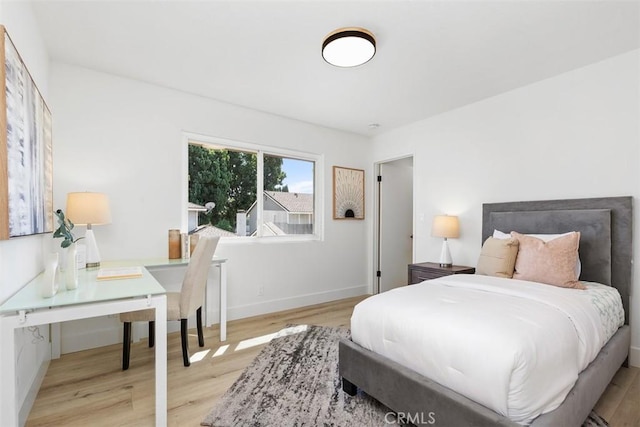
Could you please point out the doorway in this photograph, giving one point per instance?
(394, 223)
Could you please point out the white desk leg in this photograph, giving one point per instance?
(8, 410)
(223, 301)
(208, 299)
(161, 360)
(56, 339)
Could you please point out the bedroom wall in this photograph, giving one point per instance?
(124, 138)
(21, 258)
(571, 136)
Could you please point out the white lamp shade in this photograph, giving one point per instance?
(88, 208)
(349, 47)
(445, 226)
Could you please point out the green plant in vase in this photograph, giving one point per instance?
(64, 230)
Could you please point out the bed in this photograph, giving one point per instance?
(605, 249)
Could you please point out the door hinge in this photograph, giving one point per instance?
(378, 273)
(379, 178)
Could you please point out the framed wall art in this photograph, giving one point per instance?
(26, 158)
(348, 193)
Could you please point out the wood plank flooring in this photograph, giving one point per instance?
(89, 387)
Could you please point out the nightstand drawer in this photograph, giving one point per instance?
(418, 276)
(429, 270)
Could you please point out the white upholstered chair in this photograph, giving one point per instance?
(180, 305)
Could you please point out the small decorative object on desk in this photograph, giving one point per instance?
(184, 243)
(49, 284)
(71, 267)
(64, 230)
(174, 244)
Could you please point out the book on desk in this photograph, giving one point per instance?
(114, 273)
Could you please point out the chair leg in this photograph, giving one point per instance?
(199, 323)
(185, 342)
(126, 346)
(152, 333)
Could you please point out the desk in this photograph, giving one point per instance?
(159, 263)
(92, 298)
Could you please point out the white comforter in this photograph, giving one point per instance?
(516, 347)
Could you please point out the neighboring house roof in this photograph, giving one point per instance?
(292, 202)
(192, 207)
(210, 230)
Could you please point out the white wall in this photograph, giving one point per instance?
(571, 136)
(124, 138)
(21, 258)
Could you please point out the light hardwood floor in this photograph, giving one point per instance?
(89, 387)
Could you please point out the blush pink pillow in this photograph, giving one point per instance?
(552, 262)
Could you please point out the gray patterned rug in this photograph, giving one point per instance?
(294, 381)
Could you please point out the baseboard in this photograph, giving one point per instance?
(92, 338)
(634, 357)
(30, 398)
(98, 337)
(271, 306)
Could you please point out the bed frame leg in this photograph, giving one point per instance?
(348, 387)
(625, 364)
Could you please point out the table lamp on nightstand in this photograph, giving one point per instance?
(447, 227)
(89, 209)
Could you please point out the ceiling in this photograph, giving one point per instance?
(432, 56)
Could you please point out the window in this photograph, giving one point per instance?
(224, 179)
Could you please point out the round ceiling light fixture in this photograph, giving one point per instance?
(349, 47)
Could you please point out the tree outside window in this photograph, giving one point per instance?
(223, 186)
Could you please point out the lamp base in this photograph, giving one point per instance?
(93, 255)
(445, 255)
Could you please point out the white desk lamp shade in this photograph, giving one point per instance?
(445, 226)
(89, 209)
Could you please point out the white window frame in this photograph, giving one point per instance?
(261, 151)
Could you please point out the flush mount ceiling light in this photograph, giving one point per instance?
(349, 47)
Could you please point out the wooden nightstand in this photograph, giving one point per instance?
(431, 270)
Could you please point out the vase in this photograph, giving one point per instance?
(71, 267)
(49, 286)
(174, 244)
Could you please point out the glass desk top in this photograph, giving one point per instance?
(89, 290)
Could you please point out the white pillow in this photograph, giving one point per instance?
(497, 234)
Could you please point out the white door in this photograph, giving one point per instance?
(395, 227)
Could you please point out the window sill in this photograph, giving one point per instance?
(249, 240)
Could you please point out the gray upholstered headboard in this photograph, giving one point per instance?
(605, 226)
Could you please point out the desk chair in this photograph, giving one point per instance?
(180, 305)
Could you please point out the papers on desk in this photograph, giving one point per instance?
(114, 273)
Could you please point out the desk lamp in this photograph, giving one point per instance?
(89, 209)
(445, 226)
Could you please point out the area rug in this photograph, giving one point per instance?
(294, 381)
